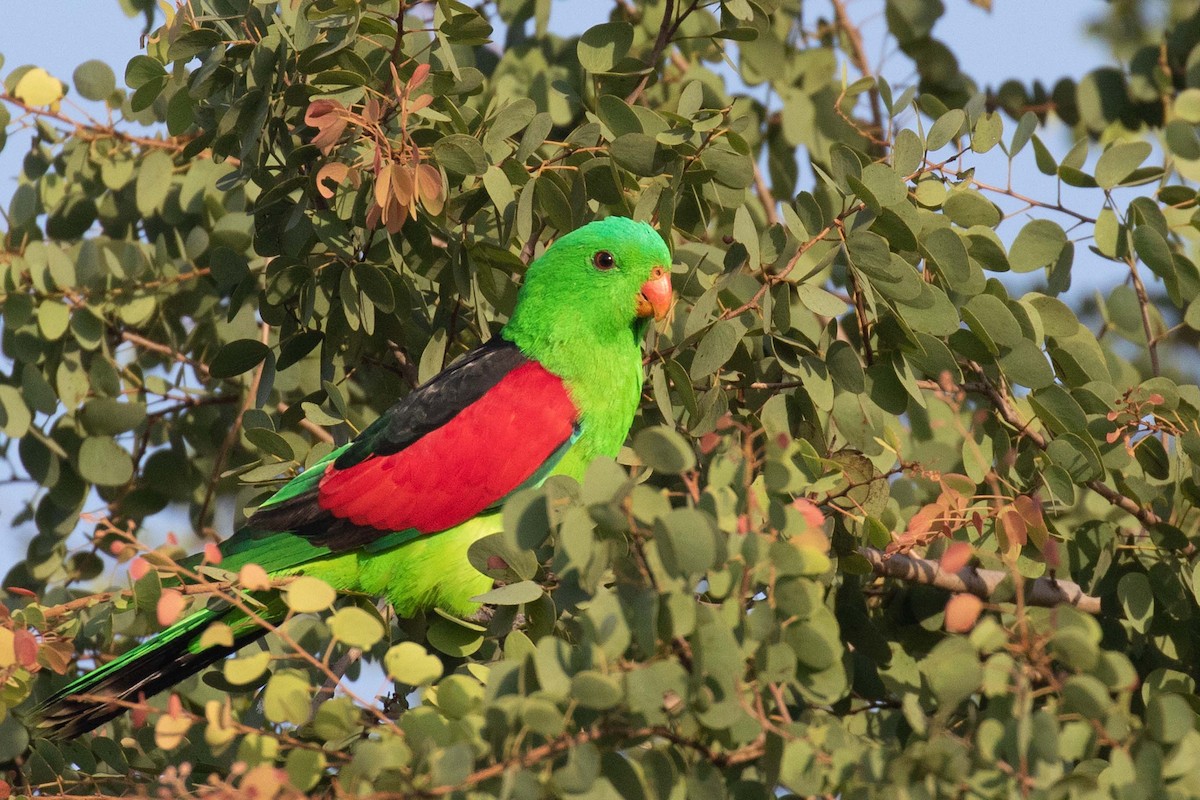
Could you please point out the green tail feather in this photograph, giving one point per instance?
(152, 666)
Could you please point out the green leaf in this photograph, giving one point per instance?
(305, 768)
(946, 250)
(104, 416)
(307, 594)
(142, 70)
(1136, 599)
(595, 690)
(511, 594)
(1153, 249)
(238, 357)
(991, 320)
(104, 462)
(1037, 245)
(1119, 161)
(356, 627)
(1058, 410)
(412, 664)
(1169, 718)
(952, 671)
(664, 450)
(717, 347)
(245, 670)
(454, 638)
(461, 154)
(15, 417)
(270, 442)
(154, 182)
(601, 47)
(947, 127)
(94, 80)
(287, 699)
(637, 152)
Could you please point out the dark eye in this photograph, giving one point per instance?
(604, 260)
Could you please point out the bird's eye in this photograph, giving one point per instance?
(604, 260)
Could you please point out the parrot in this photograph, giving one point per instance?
(393, 512)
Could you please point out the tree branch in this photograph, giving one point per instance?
(982, 583)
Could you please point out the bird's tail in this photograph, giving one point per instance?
(154, 665)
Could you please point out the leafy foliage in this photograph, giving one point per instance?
(852, 408)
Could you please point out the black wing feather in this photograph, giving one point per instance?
(427, 408)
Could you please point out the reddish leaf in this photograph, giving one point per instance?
(1011, 529)
(373, 109)
(957, 556)
(429, 189)
(138, 568)
(812, 515)
(25, 648)
(58, 654)
(1030, 509)
(170, 606)
(335, 172)
(319, 111)
(212, 553)
(383, 186)
(1051, 555)
(418, 77)
(137, 717)
(962, 612)
(404, 184)
(253, 578)
(329, 118)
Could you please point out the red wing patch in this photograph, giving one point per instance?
(451, 474)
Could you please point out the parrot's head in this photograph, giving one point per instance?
(608, 277)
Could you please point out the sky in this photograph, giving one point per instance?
(1051, 45)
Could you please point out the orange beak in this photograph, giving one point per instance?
(655, 297)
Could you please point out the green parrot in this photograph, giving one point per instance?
(394, 511)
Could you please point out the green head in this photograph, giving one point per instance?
(599, 283)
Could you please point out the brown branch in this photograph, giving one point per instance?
(141, 341)
(783, 273)
(668, 28)
(1139, 289)
(765, 197)
(1010, 415)
(858, 57)
(1059, 207)
(227, 445)
(565, 742)
(91, 132)
(316, 430)
(982, 583)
